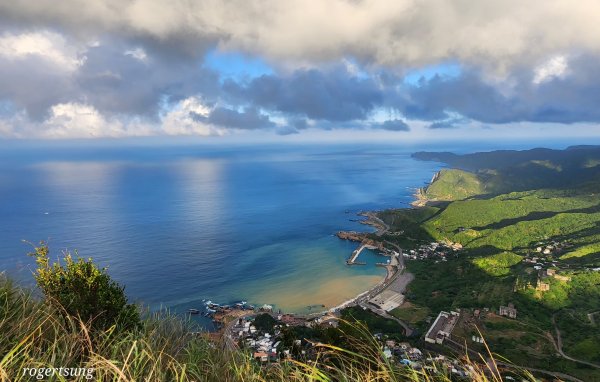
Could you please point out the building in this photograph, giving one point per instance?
(508, 311)
(261, 356)
(442, 327)
(387, 300)
(542, 286)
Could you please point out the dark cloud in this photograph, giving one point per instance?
(287, 130)
(249, 119)
(467, 95)
(569, 98)
(392, 125)
(108, 79)
(116, 82)
(448, 123)
(335, 95)
(34, 85)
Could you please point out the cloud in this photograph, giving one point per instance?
(188, 118)
(555, 67)
(287, 130)
(33, 85)
(559, 97)
(392, 125)
(333, 95)
(120, 79)
(403, 32)
(451, 123)
(111, 68)
(246, 119)
(48, 46)
(81, 121)
(40, 70)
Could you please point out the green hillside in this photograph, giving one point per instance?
(513, 229)
(506, 171)
(453, 184)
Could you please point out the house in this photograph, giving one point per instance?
(508, 311)
(542, 286)
(261, 356)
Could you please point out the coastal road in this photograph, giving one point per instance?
(397, 282)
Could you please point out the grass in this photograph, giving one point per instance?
(410, 313)
(498, 264)
(582, 251)
(453, 184)
(497, 232)
(165, 348)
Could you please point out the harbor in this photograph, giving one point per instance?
(353, 259)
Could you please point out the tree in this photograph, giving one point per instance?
(264, 322)
(83, 290)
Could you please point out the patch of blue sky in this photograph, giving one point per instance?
(354, 67)
(6, 108)
(235, 65)
(382, 114)
(444, 70)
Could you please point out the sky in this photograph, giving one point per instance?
(405, 70)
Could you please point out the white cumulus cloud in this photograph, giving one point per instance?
(183, 119)
(45, 45)
(554, 67)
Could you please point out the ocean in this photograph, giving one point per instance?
(179, 224)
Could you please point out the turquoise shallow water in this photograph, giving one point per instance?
(180, 224)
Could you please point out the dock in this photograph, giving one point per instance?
(352, 260)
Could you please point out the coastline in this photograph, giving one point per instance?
(396, 279)
(373, 220)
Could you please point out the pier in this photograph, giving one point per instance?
(352, 260)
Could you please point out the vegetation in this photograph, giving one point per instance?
(80, 289)
(499, 213)
(410, 313)
(373, 322)
(264, 322)
(37, 334)
(509, 170)
(498, 264)
(526, 202)
(453, 185)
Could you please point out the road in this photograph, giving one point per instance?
(379, 224)
(558, 345)
(363, 300)
(228, 340)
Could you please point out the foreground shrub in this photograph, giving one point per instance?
(85, 291)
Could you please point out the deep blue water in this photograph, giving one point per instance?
(179, 224)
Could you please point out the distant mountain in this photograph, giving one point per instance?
(511, 170)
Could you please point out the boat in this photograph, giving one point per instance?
(193, 311)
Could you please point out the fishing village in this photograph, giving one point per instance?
(271, 335)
